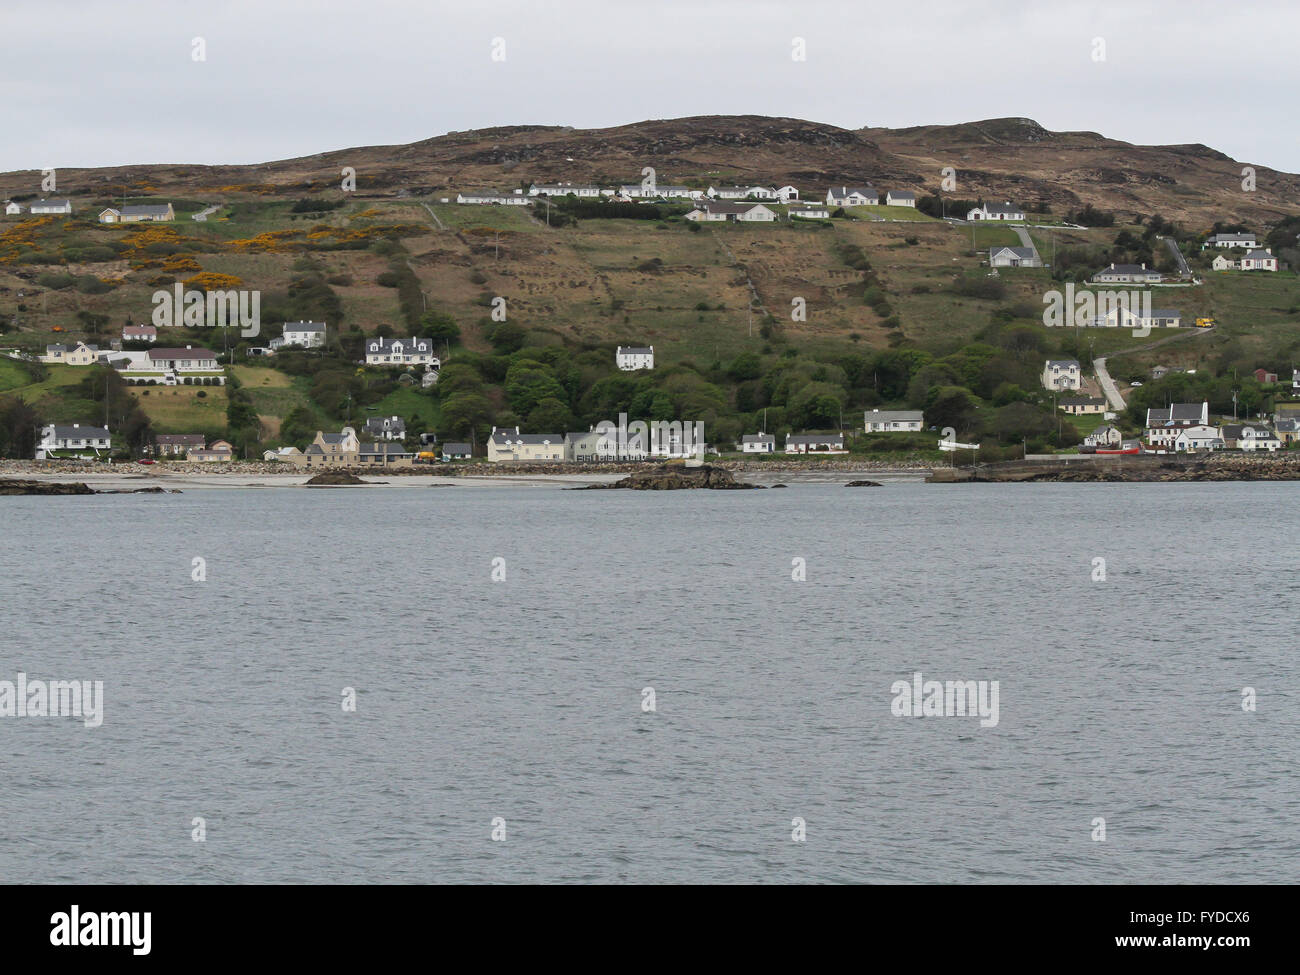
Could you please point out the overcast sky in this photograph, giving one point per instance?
(86, 83)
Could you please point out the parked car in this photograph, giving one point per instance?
(1135, 383)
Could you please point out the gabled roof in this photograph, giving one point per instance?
(1258, 254)
(1021, 252)
(758, 438)
(180, 354)
(146, 210)
(456, 448)
(78, 432)
(304, 326)
(899, 416)
(840, 192)
(635, 350)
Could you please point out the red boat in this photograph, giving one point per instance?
(1126, 450)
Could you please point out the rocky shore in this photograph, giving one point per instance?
(677, 477)
(1140, 469)
(11, 486)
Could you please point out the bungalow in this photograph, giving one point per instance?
(1104, 436)
(1127, 274)
(758, 443)
(517, 198)
(1164, 424)
(900, 198)
(564, 189)
(1264, 376)
(217, 451)
(12, 209)
(630, 358)
(742, 193)
(894, 421)
(384, 455)
(177, 444)
(309, 335)
(331, 450)
(746, 212)
(1062, 374)
(1221, 263)
(145, 213)
(1120, 316)
(76, 437)
(787, 193)
(188, 359)
(139, 333)
(810, 211)
(996, 211)
(385, 427)
(457, 451)
(1246, 240)
(1258, 260)
(815, 443)
(1250, 436)
(400, 352)
(1079, 405)
(80, 354)
(1198, 437)
(852, 196)
(1014, 257)
(50, 206)
(508, 444)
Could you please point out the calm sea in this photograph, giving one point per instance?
(522, 701)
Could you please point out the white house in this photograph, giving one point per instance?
(1198, 437)
(50, 206)
(900, 198)
(385, 428)
(1104, 436)
(12, 209)
(1014, 257)
(809, 211)
(76, 437)
(139, 333)
(188, 359)
(996, 211)
(401, 352)
(564, 189)
(508, 444)
(742, 192)
(1250, 436)
(787, 193)
(1062, 374)
(1258, 260)
(1222, 263)
(852, 196)
(1120, 316)
(1246, 240)
(758, 443)
(630, 358)
(517, 198)
(1127, 274)
(893, 421)
(309, 335)
(743, 212)
(1163, 424)
(815, 443)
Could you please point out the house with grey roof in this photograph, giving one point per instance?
(741, 193)
(1104, 436)
(518, 198)
(75, 440)
(508, 444)
(12, 209)
(382, 454)
(341, 449)
(453, 450)
(758, 443)
(1258, 260)
(1250, 436)
(1127, 274)
(1163, 424)
(740, 212)
(1246, 240)
(602, 446)
(630, 358)
(308, 335)
(385, 428)
(852, 196)
(1014, 257)
(900, 198)
(583, 190)
(1062, 374)
(50, 206)
(401, 352)
(178, 444)
(142, 213)
(893, 421)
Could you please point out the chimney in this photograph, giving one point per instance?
(1144, 265)
(1112, 265)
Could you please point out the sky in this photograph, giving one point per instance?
(100, 84)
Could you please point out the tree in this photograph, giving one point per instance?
(550, 415)
(952, 406)
(440, 327)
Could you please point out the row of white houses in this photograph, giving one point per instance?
(142, 213)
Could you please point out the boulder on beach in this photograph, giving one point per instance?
(334, 479)
(676, 477)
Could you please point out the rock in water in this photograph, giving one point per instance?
(863, 484)
(10, 485)
(677, 477)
